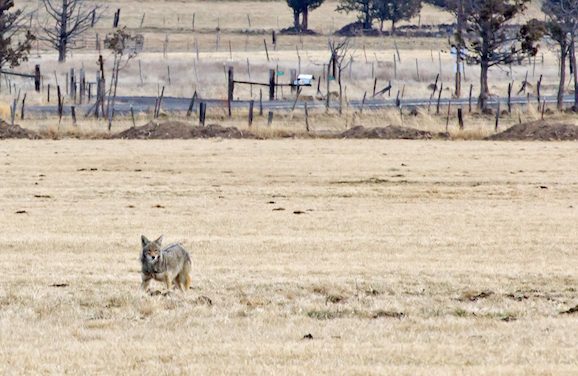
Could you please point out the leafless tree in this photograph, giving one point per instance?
(124, 47)
(340, 51)
(67, 20)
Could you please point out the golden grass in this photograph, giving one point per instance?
(457, 236)
(321, 123)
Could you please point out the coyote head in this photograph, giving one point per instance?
(151, 251)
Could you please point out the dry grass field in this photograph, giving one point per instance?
(396, 257)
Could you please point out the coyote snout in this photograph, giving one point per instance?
(171, 264)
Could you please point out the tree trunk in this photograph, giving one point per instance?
(392, 27)
(367, 17)
(63, 36)
(485, 66)
(563, 55)
(305, 23)
(573, 59)
(296, 19)
(459, 47)
(484, 91)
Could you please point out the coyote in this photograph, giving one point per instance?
(168, 265)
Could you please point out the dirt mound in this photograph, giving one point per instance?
(391, 132)
(15, 131)
(538, 131)
(179, 130)
(293, 31)
(356, 29)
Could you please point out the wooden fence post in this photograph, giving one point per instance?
(251, 105)
(116, 18)
(73, 114)
(497, 116)
(24, 103)
(538, 90)
(202, 113)
(230, 89)
(266, 49)
(306, 118)
(270, 118)
(192, 104)
(132, 116)
(293, 73)
(470, 98)
(439, 98)
(460, 119)
(509, 97)
(260, 102)
(271, 84)
(448, 117)
(37, 78)
(362, 103)
(59, 101)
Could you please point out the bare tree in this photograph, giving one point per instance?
(124, 47)
(340, 50)
(11, 22)
(68, 19)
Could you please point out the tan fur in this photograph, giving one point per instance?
(171, 265)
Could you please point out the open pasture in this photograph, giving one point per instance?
(395, 257)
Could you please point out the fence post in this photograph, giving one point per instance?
(270, 118)
(202, 113)
(24, 103)
(260, 102)
(37, 78)
(497, 116)
(306, 118)
(230, 89)
(509, 97)
(460, 119)
(251, 105)
(266, 49)
(439, 98)
(192, 104)
(293, 79)
(470, 98)
(116, 18)
(73, 114)
(362, 103)
(271, 84)
(59, 101)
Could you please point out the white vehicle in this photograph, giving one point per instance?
(303, 80)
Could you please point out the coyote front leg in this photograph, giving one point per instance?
(168, 281)
(146, 280)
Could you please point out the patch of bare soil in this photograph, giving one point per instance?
(15, 131)
(180, 130)
(391, 132)
(538, 131)
(293, 31)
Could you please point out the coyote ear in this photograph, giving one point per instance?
(144, 241)
(159, 240)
